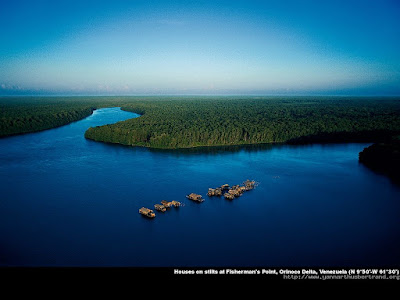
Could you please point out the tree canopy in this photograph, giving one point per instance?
(192, 122)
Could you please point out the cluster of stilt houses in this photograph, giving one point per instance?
(229, 192)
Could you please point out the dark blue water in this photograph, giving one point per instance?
(67, 201)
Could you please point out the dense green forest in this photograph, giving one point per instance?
(22, 115)
(29, 114)
(201, 121)
(184, 122)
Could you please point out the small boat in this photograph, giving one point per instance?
(160, 207)
(147, 212)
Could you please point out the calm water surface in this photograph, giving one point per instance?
(68, 201)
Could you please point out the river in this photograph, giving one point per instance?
(68, 201)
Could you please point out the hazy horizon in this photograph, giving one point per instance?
(265, 48)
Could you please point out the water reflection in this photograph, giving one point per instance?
(217, 150)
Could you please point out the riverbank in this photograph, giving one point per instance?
(383, 158)
(21, 115)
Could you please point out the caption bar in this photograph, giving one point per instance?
(301, 274)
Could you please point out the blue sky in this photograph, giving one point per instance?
(200, 47)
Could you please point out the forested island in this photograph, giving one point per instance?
(185, 122)
(216, 121)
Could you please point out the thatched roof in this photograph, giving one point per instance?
(145, 210)
(193, 195)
